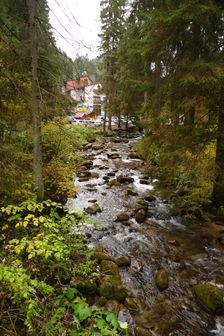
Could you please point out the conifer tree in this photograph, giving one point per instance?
(112, 19)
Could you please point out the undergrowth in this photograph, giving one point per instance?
(61, 151)
(42, 248)
(182, 170)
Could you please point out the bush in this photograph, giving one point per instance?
(179, 166)
(41, 246)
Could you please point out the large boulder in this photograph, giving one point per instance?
(162, 279)
(111, 288)
(110, 284)
(108, 267)
(141, 215)
(210, 297)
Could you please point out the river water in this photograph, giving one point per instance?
(189, 252)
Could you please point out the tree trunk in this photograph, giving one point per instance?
(37, 153)
(109, 122)
(218, 189)
(157, 98)
(119, 119)
(104, 121)
(189, 120)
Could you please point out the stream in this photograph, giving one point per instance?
(189, 251)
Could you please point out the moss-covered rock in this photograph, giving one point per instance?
(132, 304)
(146, 320)
(123, 261)
(113, 306)
(139, 331)
(112, 288)
(84, 286)
(210, 297)
(122, 217)
(108, 267)
(162, 279)
(100, 256)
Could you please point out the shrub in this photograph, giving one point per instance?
(41, 246)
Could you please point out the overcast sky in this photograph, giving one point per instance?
(77, 24)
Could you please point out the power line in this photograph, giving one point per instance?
(77, 23)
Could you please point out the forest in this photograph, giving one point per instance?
(161, 65)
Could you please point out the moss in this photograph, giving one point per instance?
(108, 267)
(111, 288)
(100, 256)
(162, 279)
(85, 286)
(210, 297)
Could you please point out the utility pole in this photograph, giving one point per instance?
(37, 153)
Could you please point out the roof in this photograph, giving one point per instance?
(78, 83)
(79, 115)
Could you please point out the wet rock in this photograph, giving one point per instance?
(111, 174)
(88, 146)
(162, 279)
(96, 146)
(131, 192)
(133, 156)
(140, 331)
(125, 179)
(117, 140)
(113, 156)
(114, 183)
(126, 223)
(95, 175)
(93, 209)
(85, 173)
(132, 304)
(83, 179)
(122, 217)
(91, 189)
(92, 201)
(88, 235)
(146, 320)
(123, 261)
(210, 297)
(144, 182)
(140, 215)
(87, 164)
(149, 198)
(113, 306)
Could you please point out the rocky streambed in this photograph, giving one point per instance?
(159, 274)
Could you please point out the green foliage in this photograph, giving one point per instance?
(42, 248)
(190, 173)
(61, 156)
